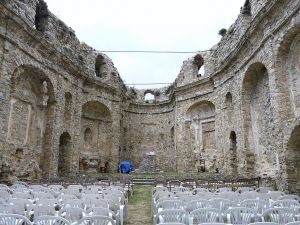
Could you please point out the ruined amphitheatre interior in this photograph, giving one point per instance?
(65, 110)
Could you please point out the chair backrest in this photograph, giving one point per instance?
(76, 203)
(96, 220)
(198, 190)
(197, 204)
(50, 220)
(286, 203)
(171, 215)
(4, 195)
(42, 210)
(241, 215)
(274, 194)
(169, 204)
(14, 219)
(292, 197)
(99, 211)
(221, 203)
(42, 195)
(264, 223)
(264, 189)
(244, 189)
(171, 224)
(293, 223)
(258, 205)
(205, 215)
(222, 189)
(278, 215)
(25, 195)
(72, 214)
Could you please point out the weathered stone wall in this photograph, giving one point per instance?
(63, 103)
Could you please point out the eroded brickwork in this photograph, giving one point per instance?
(64, 108)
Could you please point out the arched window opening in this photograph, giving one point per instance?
(149, 96)
(228, 100)
(41, 16)
(233, 153)
(199, 61)
(99, 66)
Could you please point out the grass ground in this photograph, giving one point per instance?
(139, 206)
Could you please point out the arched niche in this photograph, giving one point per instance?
(287, 69)
(96, 126)
(293, 161)
(257, 114)
(30, 123)
(233, 162)
(68, 109)
(200, 130)
(228, 108)
(65, 154)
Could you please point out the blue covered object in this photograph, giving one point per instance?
(125, 167)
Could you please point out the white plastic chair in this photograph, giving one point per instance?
(50, 220)
(169, 216)
(240, 215)
(99, 211)
(96, 220)
(40, 210)
(71, 214)
(205, 215)
(278, 215)
(14, 219)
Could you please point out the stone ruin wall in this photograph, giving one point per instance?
(64, 108)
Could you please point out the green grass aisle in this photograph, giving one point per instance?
(139, 206)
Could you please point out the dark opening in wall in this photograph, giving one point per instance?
(41, 16)
(199, 61)
(246, 8)
(99, 66)
(19, 154)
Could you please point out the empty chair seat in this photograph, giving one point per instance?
(197, 204)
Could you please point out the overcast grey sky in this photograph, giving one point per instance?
(173, 25)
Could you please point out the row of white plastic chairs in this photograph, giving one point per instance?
(40, 200)
(236, 215)
(14, 219)
(223, 204)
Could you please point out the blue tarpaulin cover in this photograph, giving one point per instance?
(125, 167)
